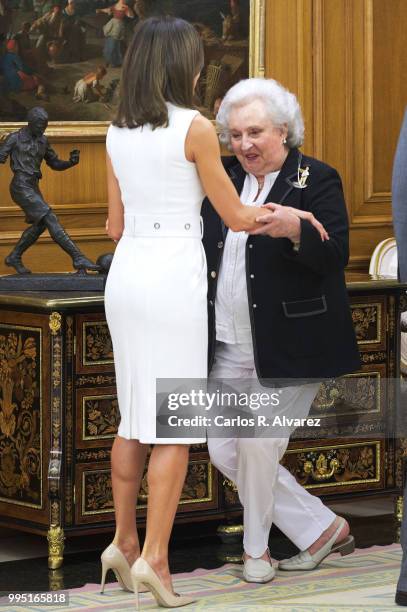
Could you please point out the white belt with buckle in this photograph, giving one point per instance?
(159, 225)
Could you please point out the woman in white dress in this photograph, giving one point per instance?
(162, 157)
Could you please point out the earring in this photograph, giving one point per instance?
(285, 141)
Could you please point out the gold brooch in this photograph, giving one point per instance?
(302, 176)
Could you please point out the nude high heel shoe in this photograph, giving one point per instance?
(142, 573)
(112, 558)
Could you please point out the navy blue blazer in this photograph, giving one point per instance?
(299, 309)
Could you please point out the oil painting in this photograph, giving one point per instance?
(66, 55)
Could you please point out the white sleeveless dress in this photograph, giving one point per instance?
(155, 296)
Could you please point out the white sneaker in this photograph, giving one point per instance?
(258, 570)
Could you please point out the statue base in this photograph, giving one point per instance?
(69, 281)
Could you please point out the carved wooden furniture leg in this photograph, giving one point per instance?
(399, 509)
(56, 580)
(56, 546)
(230, 534)
(55, 534)
(231, 549)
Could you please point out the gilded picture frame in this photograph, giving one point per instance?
(95, 131)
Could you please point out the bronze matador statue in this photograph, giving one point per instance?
(27, 148)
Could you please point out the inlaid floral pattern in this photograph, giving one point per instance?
(20, 445)
(97, 343)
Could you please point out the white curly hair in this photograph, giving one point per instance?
(281, 105)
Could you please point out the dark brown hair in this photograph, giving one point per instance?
(163, 58)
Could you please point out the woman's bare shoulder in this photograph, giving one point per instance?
(201, 139)
(201, 126)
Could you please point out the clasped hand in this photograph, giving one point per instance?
(284, 222)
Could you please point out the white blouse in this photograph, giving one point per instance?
(232, 307)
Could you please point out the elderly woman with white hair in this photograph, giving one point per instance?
(278, 309)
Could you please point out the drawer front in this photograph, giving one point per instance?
(94, 500)
(229, 494)
(94, 352)
(369, 316)
(97, 417)
(361, 393)
(338, 466)
(327, 469)
(200, 487)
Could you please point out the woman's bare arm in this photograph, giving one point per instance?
(115, 223)
(202, 147)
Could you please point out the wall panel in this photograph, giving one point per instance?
(353, 102)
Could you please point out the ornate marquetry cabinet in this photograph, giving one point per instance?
(58, 418)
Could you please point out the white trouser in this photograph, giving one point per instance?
(268, 492)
